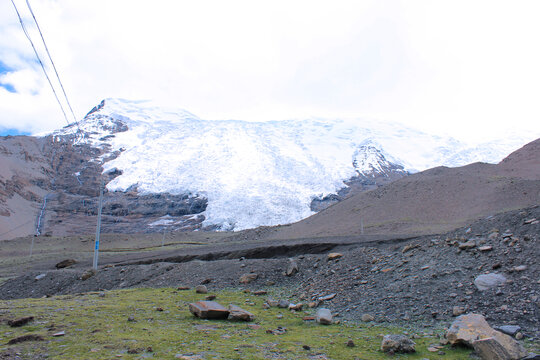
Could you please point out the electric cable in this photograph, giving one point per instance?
(52, 62)
(39, 59)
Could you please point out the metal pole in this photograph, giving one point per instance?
(98, 228)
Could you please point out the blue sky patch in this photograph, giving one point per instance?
(4, 69)
(5, 132)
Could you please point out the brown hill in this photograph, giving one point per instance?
(432, 201)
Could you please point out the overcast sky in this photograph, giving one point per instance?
(466, 68)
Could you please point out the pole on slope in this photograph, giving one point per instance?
(362, 225)
(98, 227)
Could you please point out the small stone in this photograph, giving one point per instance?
(206, 281)
(350, 343)
(334, 256)
(367, 317)
(327, 297)
(324, 316)
(458, 310)
(88, 274)
(488, 281)
(292, 268)
(409, 247)
(519, 336)
(183, 288)
(306, 347)
(485, 248)
(397, 344)
(272, 303)
(210, 297)
(40, 276)
(201, 289)
(284, 304)
(260, 292)
(65, 263)
(296, 307)
(131, 319)
(520, 268)
(247, 278)
(239, 314)
(313, 304)
(60, 333)
(159, 309)
(508, 329)
(467, 245)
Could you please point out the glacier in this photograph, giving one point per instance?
(256, 173)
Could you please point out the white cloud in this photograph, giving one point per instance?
(468, 68)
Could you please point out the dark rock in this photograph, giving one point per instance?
(65, 263)
(20, 322)
(24, 338)
(509, 329)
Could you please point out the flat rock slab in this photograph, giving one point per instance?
(208, 310)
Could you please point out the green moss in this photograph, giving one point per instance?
(98, 328)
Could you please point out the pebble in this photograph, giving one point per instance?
(201, 289)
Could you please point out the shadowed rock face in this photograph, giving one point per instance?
(53, 185)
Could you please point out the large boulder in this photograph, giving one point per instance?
(397, 344)
(208, 310)
(473, 330)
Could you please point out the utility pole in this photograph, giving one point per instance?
(98, 228)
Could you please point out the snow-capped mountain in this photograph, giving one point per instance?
(255, 173)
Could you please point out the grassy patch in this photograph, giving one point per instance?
(97, 327)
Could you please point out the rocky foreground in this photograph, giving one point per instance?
(490, 268)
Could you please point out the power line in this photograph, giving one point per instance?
(39, 59)
(52, 62)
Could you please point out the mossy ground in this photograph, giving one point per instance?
(97, 327)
